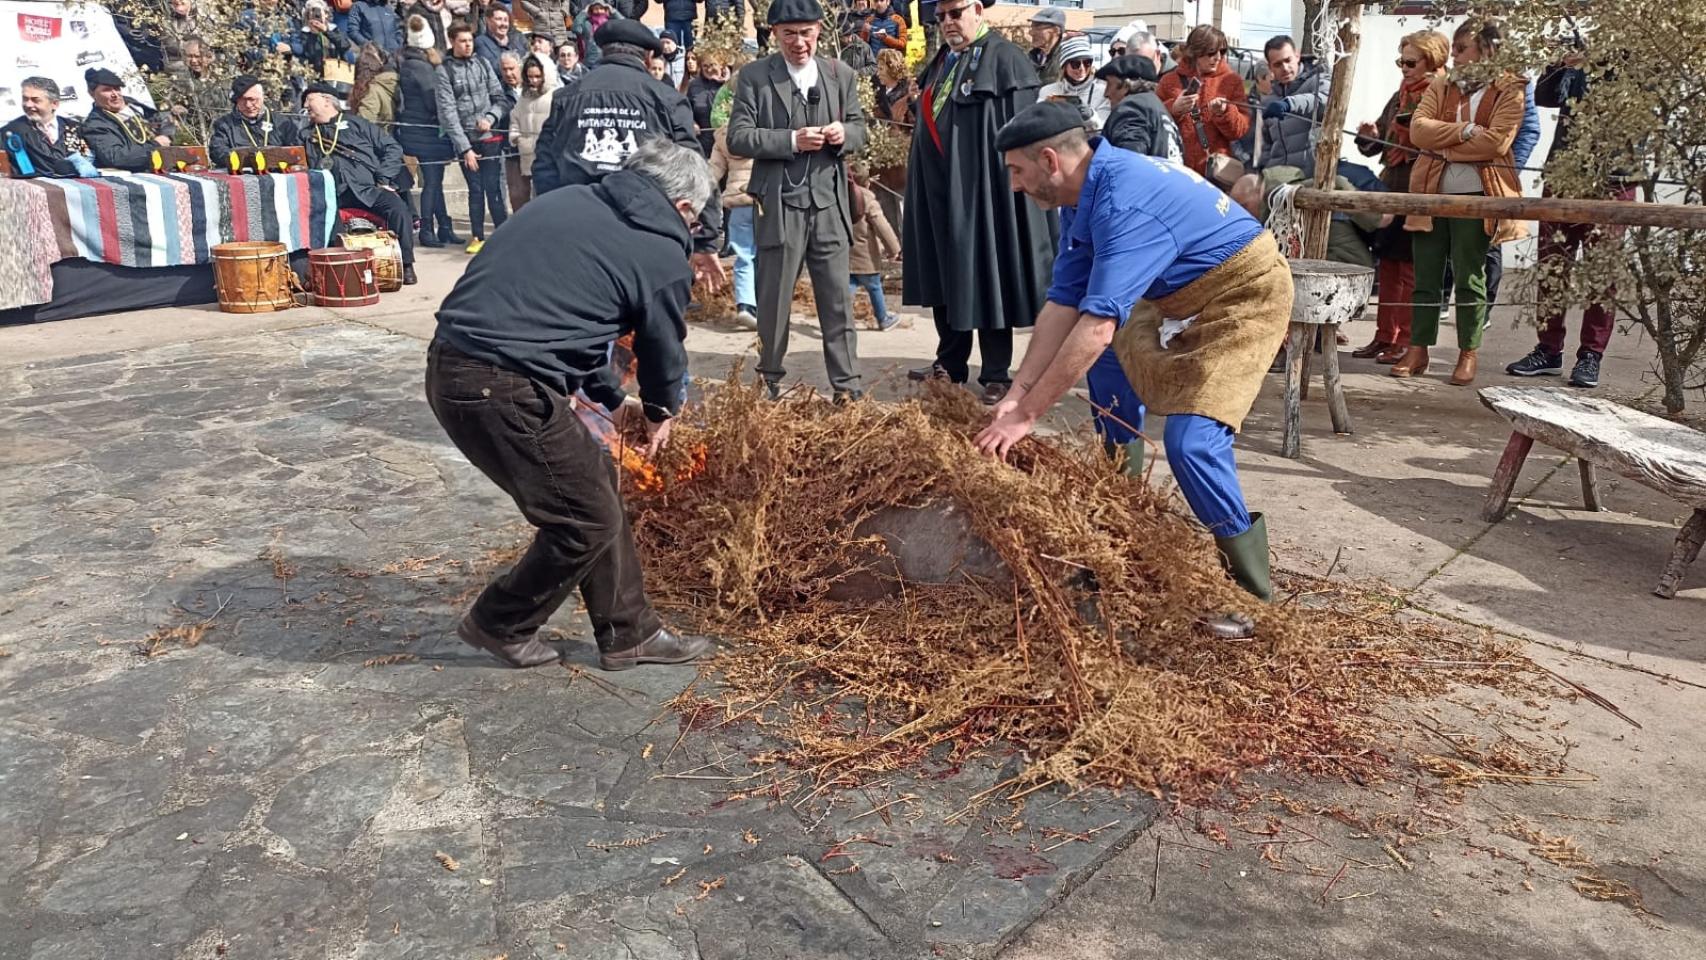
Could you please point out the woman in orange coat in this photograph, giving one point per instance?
(1206, 98)
(1464, 129)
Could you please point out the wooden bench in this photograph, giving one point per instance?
(1669, 457)
(1326, 295)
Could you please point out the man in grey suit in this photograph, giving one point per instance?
(797, 115)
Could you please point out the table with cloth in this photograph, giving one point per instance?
(130, 241)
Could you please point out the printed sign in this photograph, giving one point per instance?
(59, 41)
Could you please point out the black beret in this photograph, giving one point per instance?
(1039, 121)
(240, 85)
(1129, 67)
(631, 32)
(795, 11)
(101, 77)
(320, 87)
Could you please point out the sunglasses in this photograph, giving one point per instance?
(1085, 63)
(1407, 63)
(953, 14)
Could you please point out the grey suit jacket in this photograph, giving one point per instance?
(766, 111)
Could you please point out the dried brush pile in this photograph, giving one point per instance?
(1089, 660)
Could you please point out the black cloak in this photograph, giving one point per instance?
(363, 157)
(969, 243)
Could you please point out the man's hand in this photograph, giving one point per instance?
(708, 270)
(1274, 109)
(163, 140)
(630, 416)
(657, 436)
(484, 124)
(808, 139)
(835, 134)
(1008, 427)
(471, 160)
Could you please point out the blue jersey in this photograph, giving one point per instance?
(1143, 228)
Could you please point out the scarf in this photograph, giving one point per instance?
(1409, 96)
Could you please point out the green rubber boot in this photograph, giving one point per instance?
(1246, 555)
(1129, 456)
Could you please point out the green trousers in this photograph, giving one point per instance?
(1464, 243)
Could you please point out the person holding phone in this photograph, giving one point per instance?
(1207, 99)
(1421, 58)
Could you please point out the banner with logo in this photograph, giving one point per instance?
(59, 41)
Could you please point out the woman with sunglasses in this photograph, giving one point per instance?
(1206, 99)
(1464, 127)
(1421, 58)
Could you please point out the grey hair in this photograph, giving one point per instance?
(1140, 43)
(682, 173)
(44, 85)
(510, 55)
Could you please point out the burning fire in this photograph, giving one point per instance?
(630, 461)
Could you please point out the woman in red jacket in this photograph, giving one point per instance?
(1206, 98)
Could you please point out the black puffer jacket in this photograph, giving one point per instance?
(417, 119)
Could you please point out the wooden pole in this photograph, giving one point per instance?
(1317, 222)
(1553, 209)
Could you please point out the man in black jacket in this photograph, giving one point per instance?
(1138, 122)
(597, 123)
(122, 134)
(50, 143)
(365, 163)
(514, 347)
(251, 124)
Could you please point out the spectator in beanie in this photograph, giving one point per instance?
(674, 64)
(1078, 82)
(471, 107)
(438, 18)
(418, 129)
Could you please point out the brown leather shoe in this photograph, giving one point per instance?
(525, 653)
(994, 393)
(1370, 349)
(1464, 374)
(1414, 363)
(1392, 354)
(665, 646)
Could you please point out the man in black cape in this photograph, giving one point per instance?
(976, 253)
(366, 163)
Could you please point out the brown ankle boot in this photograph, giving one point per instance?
(1464, 375)
(523, 653)
(1414, 364)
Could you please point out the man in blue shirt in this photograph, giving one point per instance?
(1208, 297)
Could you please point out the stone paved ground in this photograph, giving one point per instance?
(264, 794)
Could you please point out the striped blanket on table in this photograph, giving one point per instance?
(163, 220)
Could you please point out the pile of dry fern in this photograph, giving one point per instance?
(1089, 658)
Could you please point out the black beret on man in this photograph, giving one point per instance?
(325, 88)
(241, 84)
(101, 77)
(632, 32)
(1129, 67)
(795, 11)
(1038, 122)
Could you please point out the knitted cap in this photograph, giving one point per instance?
(1075, 48)
(420, 33)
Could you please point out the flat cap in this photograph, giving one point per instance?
(632, 32)
(325, 88)
(241, 84)
(1053, 16)
(1130, 67)
(1039, 121)
(101, 77)
(795, 11)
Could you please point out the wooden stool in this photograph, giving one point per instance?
(1669, 457)
(1327, 294)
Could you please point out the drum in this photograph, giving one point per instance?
(342, 277)
(252, 276)
(387, 257)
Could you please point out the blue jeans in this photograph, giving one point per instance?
(682, 31)
(872, 284)
(739, 227)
